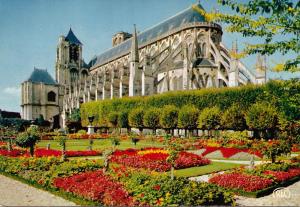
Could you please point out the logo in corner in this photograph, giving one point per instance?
(282, 193)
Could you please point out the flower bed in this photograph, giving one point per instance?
(155, 159)
(41, 152)
(97, 187)
(243, 182)
(260, 178)
(228, 152)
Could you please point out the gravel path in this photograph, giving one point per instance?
(15, 193)
(289, 196)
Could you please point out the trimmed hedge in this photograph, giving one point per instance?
(284, 95)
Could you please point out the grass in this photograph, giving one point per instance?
(206, 169)
(99, 144)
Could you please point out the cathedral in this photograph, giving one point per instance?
(183, 52)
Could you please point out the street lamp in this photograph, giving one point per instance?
(90, 127)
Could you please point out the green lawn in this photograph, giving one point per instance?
(99, 144)
(206, 169)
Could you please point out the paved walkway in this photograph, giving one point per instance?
(289, 196)
(15, 193)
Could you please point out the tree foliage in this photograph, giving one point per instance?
(136, 117)
(28, 138)
(276, 22)
(151, 118)
(187, 117)
(113, 119)
(169, 117)
(210, 118)
(234, 118)
(262, 116)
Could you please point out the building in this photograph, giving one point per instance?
(182, 52)
(40, 96)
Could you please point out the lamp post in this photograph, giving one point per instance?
(90, 127)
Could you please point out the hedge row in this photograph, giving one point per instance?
(284, 95)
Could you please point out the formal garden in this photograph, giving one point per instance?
(151, 150)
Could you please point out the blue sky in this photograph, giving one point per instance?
(29, 32)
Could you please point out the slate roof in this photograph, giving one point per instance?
(203, 62)
(72, 38)
(187, 16)
(41, 76)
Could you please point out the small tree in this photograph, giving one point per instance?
(174, 150)
(275, 148)
(123, 121)
(107, 156)
(168, 118)
(134, 138)
(209, 119)
(91, 142)
(187, 117)
(151, 119)
(135, 119)
(234, 118)
(62, 139)
(262, 117)
(113, 119)
(28, 139)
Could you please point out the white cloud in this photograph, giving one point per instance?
(14, 91)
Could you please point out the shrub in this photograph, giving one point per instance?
(151, 119)
(81, 131)
(276, 148)
(209, 118)
(113, 119)
(169, 117)
(28, 139)
(187, 117)
(135, 118)
(234, 118)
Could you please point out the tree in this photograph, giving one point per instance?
(261, 117)
(113, 119)
(168, 118)
(123, 120)
(275, 148)
(135, 118)
(75, 115)
(210, 118)
(61, 137)
(187, 117)
(151, 119)
(28, 138)
(234, 118)
(266, 19)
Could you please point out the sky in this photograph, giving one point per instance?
(29, 32)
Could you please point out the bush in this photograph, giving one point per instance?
(151, 119)
(28, 139)
(276, 148)
(187, 117)
(209, 118)
(81, 131)
(234, 119)
(113, 119)
(135, 118)
(169, 117)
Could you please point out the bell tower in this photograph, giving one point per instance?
(68, 59)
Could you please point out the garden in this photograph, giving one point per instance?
(148, 151)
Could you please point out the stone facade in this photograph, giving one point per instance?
(39, 96)
(181, 53)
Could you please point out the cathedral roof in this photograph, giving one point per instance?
(41, 76)
(183, 18)
(72, 38)
(203, 62)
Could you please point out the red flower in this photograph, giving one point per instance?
(156, 187)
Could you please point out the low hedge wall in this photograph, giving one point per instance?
(284, 95)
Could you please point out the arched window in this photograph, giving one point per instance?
(51, 96)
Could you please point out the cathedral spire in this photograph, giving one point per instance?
(72, 38)
(134, 47)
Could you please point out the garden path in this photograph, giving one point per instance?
(15, 193)
(290, 196)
